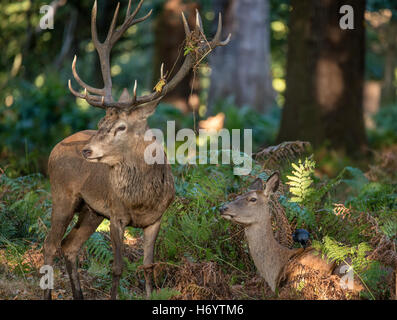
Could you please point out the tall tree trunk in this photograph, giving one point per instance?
(169, 44)
(388, 86)
(325, 73)
(242, 68)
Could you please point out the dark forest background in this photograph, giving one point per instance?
(290, 72)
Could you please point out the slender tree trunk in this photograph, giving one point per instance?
(325, 72)
(242, 68)
(388, 86)
(169, 44)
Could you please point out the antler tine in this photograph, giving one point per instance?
(225, 42)
(185, 25)
(96, 101)
(217, 39)
(94, 32)
(162, 71)
(218, 33)
(128, 11)
(134, 91)
(138, 7)
(81, 82)
(129, 21)
(142, 19)
(199, 22)
(113, 24)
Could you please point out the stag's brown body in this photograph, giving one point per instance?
(128, 193)
(142, 191)
(103, 174)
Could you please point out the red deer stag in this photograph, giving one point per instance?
(102, 174)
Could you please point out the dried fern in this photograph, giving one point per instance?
(273, 156)
(283, 229)
(385, 247)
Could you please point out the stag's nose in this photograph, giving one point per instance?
(223, 209)
(87, 153)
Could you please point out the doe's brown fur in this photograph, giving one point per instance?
(275, 262)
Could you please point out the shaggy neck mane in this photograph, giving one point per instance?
(125, 178)
(138, 184)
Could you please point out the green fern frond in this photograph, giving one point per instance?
(338, 252)
(300, 180)
(302, 217)
(99, 248)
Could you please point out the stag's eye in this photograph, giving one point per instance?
(252, 199)
(121, 128)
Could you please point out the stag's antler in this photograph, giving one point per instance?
(102, 98)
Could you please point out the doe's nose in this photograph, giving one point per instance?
(223, 209)
(87, 153)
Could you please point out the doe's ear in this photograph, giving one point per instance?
(144, 111)
(272, 183)
(256, 185)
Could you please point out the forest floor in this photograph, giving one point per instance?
(351, 217)
(197, 280)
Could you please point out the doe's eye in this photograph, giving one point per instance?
(252, 200)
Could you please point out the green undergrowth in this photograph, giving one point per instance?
(192, 229)
(335, 213)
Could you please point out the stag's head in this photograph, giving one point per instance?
(247, 209)
(126, 119)
(118, 131)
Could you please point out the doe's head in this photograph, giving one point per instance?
(247, 209)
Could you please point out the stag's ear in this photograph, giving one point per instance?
(125, 96)
(256, 185)
(144, 111)
(272, 183)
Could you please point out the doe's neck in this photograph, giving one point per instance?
(269, 256)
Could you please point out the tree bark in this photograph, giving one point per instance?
(242, 68)
(325, 75)
(388, 86)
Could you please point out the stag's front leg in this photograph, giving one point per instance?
(84, 228)
(117, 227)
(62, 215)
(150, 235)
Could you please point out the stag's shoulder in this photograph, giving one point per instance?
(77, 140)
(69, 149)
(81, 136)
